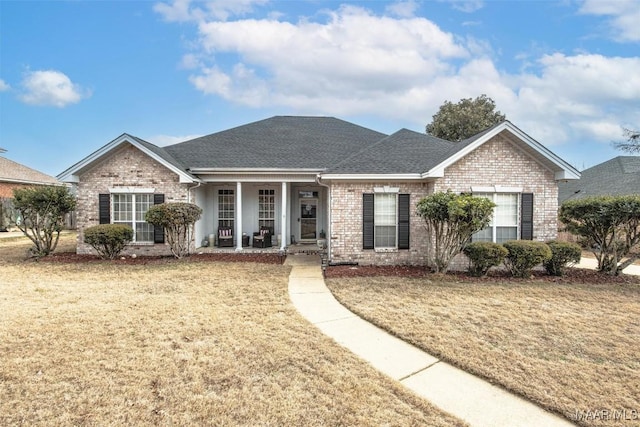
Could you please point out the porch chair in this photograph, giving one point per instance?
(225, 237)
(262, 238)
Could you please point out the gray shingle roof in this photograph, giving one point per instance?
(159, 151)
(11, 171)
(285, 142)
(618, 176)
(404, 152)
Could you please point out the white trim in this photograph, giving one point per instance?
(129, 190)
(374, 177)
(253, 171)
(386, 189)
(496, 189)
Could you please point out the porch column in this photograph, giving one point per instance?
(283, 222)
(238, 231)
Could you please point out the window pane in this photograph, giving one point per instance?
(385, 237)
(504, 234)
(506, 213)
(485, 235)
(226, 208)
(122, 207)
(144, 232)
(143, 203)
(266, 208)
(385, 220)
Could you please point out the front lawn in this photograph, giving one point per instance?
(177, 343)
(572, 348)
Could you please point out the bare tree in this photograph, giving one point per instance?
(632, 141)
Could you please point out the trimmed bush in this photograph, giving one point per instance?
(483, 256)
(177, 219)
(523, 255)
(562, 253)
(108, 239)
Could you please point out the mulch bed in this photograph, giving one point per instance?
(73, 258)
(573, 275)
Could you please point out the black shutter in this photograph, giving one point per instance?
(158, 232)
(104, 208)
(403, 221)
(367, 221)
(526, 216)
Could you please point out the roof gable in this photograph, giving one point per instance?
(151, 150)
(513, 134)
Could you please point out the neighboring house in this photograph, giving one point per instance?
(304, 176)
(618, 176)
(14, 175)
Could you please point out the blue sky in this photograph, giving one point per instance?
(76, 74)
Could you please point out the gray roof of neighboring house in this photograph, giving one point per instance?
(11, 171)
(403, 152)
(281, 142)
(618, 176)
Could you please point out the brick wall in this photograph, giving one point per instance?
(500, 163)
(6, 189)
(346, 225)
(496, 162)
(125, 167)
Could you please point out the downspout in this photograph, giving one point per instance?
(318, 178)
(198, 184)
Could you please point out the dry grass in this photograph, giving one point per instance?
(177, 344)
(567, 347)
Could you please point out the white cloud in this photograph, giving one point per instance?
(185, 10)
(403, 9)
(624, 17)
(164, 140)
(50, 88)
(467, 6)
(353, 57)
(4, 86)
(351, 62)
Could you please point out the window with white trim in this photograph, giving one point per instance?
(504, 222)
(130, 209)
(226, 207)
(267, 208)
(385, 220)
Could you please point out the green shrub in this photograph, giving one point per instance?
(609, 226)
(450, 220)
(108, 239)
(523, 255)
(177, 219)
(40, 214)
(562, 253)
(483, 256)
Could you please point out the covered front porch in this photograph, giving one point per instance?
(293, 212)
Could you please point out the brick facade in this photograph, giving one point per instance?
(346, 225)
(495, 163)
(125, 167)
(6, 189)
(500, 163)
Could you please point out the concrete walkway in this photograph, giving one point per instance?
(474, 400)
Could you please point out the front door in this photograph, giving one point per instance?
(308, 219)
